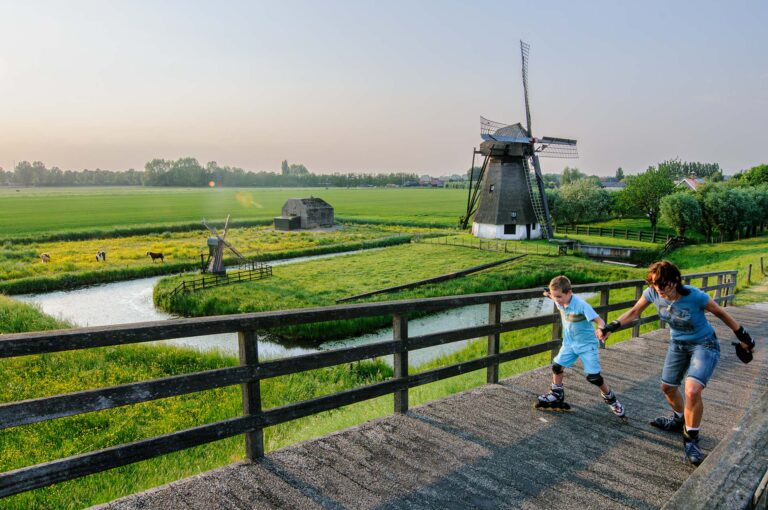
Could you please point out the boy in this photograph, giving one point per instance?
(579, 342)
(693, 352)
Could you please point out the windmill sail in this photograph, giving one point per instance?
(524, 49)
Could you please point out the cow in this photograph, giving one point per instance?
(45, 258)
(155, 256)
(101, 256)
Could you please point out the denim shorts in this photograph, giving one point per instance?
(696, 360)
(587, 353)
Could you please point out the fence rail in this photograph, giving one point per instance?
(253, 271)
(497, 245)
(636, 235)
(251, 371)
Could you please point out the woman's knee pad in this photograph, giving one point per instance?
(557, 369)
(595, 379)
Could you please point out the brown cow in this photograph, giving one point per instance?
(155, 256)
(45, 258)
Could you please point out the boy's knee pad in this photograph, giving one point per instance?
(557, 369)
(595, 379)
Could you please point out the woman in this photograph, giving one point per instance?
(693, 348)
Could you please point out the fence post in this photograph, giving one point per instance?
(704, 282)
(718, 291)
(762, 269)
(494, 317)
(249, 355)
(400, 335)
(613, 232)
(638, 295)
(604, 297)
(749, 274)
(557, 328)
(626, 233)
(653, 237)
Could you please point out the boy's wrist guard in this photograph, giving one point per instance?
(611, 327)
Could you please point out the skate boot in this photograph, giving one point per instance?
(693, 453)
(554, 400)
(669, 423)
(615, 405)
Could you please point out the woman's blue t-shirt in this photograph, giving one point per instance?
(686, 319)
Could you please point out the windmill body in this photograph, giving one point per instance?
(505, 210)
(507, 201)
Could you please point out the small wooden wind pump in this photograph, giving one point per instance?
(216, 244)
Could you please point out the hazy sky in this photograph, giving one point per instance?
(379, 86)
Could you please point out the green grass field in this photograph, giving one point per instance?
(46, 210)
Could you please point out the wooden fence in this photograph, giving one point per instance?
(254, 271)
(636, 235)
(251, 371)
(497, 245)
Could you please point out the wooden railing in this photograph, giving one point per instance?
(251, 371)
(497, 245)
(622, 233)
(253, 271)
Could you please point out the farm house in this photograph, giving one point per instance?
(312, 212)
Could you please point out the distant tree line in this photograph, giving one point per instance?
(187, 172)
(36, 174)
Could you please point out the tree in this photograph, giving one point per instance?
(677, 169)
(570, 175)
(579, 202)
(284, 168)
(680, 211)
(645, 191)
(755, 176)
(619, 174)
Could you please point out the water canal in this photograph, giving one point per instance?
(131, 301)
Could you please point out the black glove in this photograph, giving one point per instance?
(745, 355)
(744, 337)
(611, 327)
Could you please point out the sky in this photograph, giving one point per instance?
(375, 86)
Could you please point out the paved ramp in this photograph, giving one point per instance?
(488, 447)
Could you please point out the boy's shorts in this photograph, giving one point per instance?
(587, 353)
(698, 359)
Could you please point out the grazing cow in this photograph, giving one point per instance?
(45, 258)
(101, 256)
(156, 256)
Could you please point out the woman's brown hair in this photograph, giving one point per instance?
(664, 272)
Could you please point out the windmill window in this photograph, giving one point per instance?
(510, 229)
(490, 190)
(513, 215)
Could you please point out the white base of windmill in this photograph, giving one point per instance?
(488, 231)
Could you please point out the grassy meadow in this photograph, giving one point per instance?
(35, 211)
(162, 216)
(307, 284)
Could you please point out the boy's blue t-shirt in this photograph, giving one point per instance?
(577, 320)
(686, 319)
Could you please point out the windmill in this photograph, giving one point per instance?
(507, 199)
(216, 244)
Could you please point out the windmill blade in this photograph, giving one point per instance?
(524, 49)
(551, 147)
(232, 249)
(213, 230)
(226, 223)
(547, 224)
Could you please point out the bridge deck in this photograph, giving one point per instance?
(488, 447)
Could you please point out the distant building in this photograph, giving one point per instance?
(691, 183)
(611, 183)
(311, 212)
